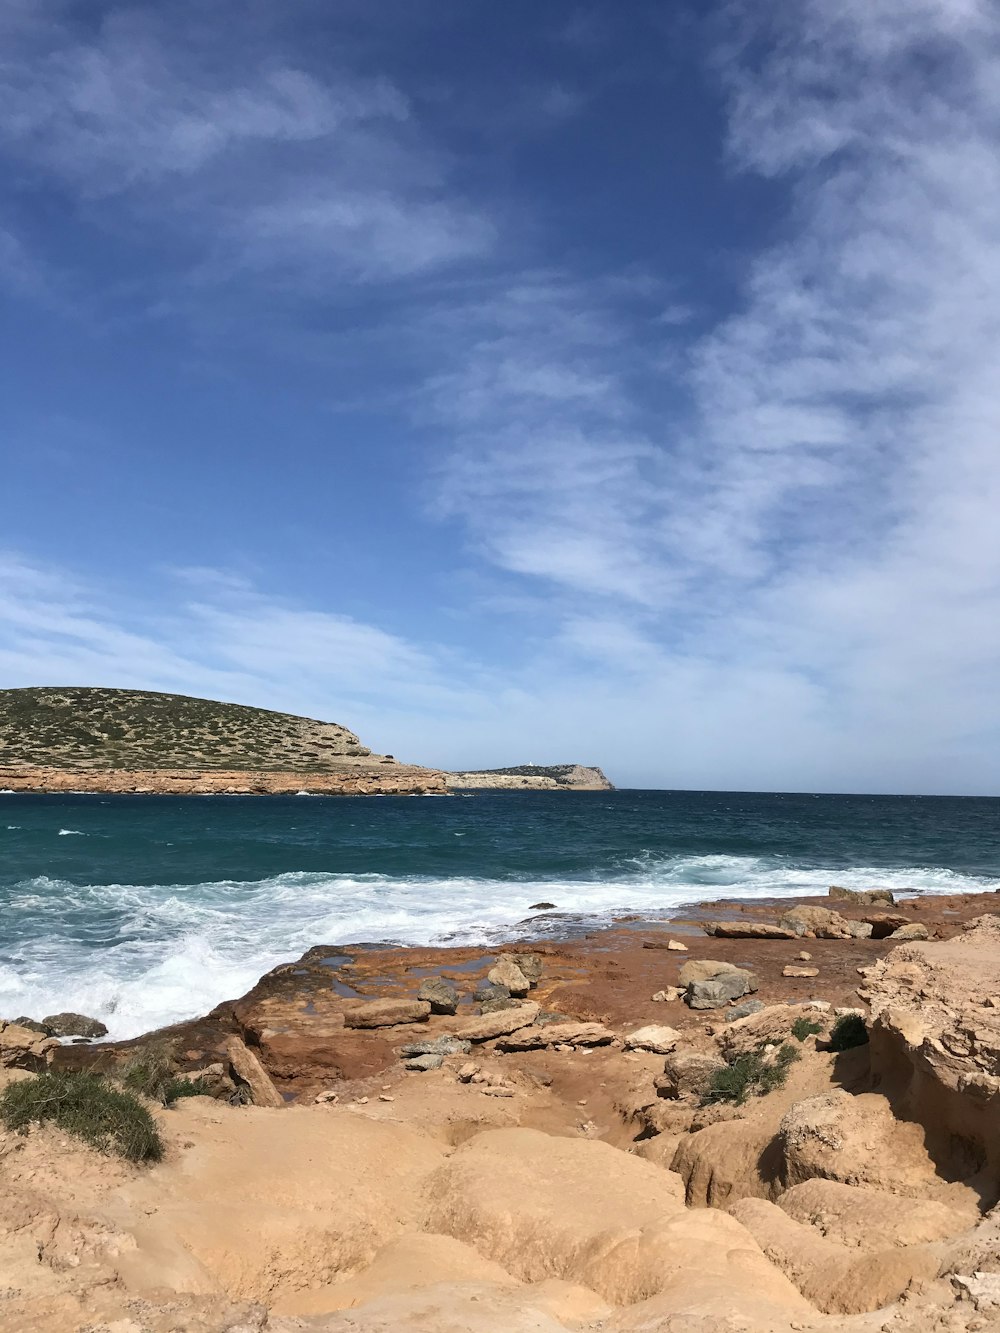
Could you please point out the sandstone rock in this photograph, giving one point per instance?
(867, 896)
(860, 930)
(706, 969)
(498, 1025)
(820, 922)
(23, 1048)
(688, 1073)
(914, 931)
(676, 946)
(386, 1013)
(422, 1064)
(884, 923)
(804, 956)
(530, 965)
(468, 1072)
(657, 1038)
(507, 973)
(74, 1025)
(747, 930)
(246, 1068)
(855, 1216)
(489, 990)
(717, 992)
(668, 994)
(744, 1010)
(446, 1045)
(557, 1034)
(845, 1010)
(792, 971)
(440, 994)
(326, 1098)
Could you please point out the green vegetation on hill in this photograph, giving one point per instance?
(93, 728)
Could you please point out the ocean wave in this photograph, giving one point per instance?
(141, 956)
(71, 833)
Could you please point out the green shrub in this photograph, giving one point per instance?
(149, 1073)
(107, 1118)
(750, 1074)
(177, 1088)
(805, 1027)
(848, 1032)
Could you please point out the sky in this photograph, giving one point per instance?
(522, 383)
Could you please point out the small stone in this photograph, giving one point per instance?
(386, 1013)
(675, 946)
(496, 1025)
(846, 1011)
(541, 907)
(498, 1005)
(744, 1010)
(582, 1101)
(467, 1072)
(790, 971)
(327, 1096)
(445, 1045)
(489, 990)
(362, 1101)
(820, 1006)
(385, 1097)
(804, 957)
(668, 994)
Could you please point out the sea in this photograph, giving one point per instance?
(144, 910)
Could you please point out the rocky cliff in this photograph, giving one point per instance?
(532, 777)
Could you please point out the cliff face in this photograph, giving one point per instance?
(532, 777)
(363, 780)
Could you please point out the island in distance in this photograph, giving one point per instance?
(77, 738)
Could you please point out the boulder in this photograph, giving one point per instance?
(498, 1025)
(744, 1010)
(440, 994)
(703, 969)
(386, 1013)
(530, 965)
(556, 1034)
(914, 931)
(819, 922)
(507, 973)
(24, 1048)
(688, 1073)
(74, 1025)
(32, 1025)
(717, 992)
(884, 923)
(866, 896)
(246, 1068)
(422, 1064)
(446, 1045)
(747, 930)
(860, 930)
(489, 990)
(656, 1037)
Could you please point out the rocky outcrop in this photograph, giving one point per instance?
(531, 777)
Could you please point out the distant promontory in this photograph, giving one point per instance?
(81, 738)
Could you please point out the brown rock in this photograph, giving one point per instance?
(557, 1034)
(914, 931)
(707, 969)
(386, 1013)
(498, 1025)
(866, 896)
(22, 1048)
(820, 922)
(655, 1037)
(688, 1073)
(747, 930)
(790, 971)
(246, 1068)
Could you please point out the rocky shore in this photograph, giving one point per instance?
(753, 1118)
(385, 778)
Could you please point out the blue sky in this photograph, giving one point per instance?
(515, 383)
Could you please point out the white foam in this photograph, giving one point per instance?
(178, 950)
(71, 833)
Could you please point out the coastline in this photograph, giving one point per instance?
(373, 1153)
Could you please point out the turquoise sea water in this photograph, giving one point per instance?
(145, 910)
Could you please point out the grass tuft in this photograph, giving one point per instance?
(848, 1032)
(805, 1027)
(750, 1074)
(109, 1119)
